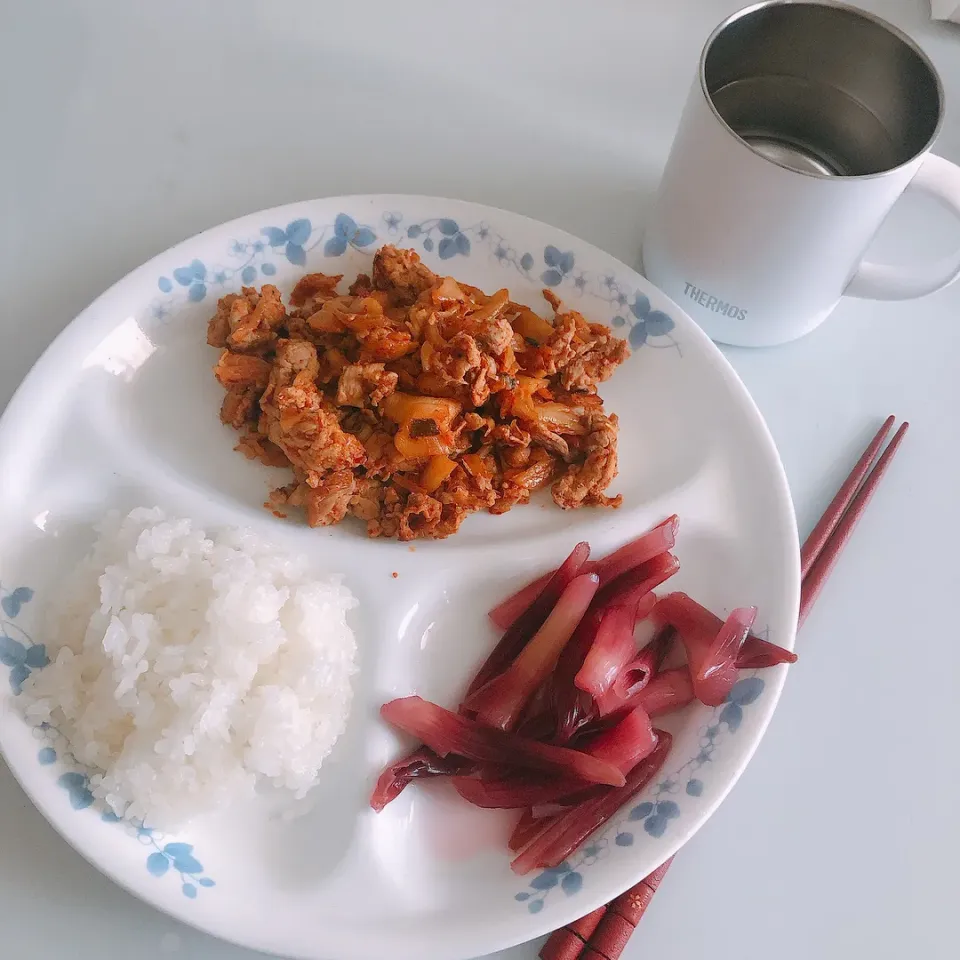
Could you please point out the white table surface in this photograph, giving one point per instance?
(130, 126)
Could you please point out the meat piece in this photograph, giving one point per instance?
(363, 384)
(239, 370)
(362, 286)
(240, 406)
(550, 441)
(254, 446)
(402, 273)
(247, 321)
(583, 484)
(453, 361)
(597, 361)
(315, 288)
(301, 421)
(419, 518)
(327, 502)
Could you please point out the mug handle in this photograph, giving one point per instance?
(876, 281)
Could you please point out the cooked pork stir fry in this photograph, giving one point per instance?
(415, 400)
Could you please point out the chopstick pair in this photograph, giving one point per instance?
(604, 933)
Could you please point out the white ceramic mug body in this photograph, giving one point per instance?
(760, 253)
(756, 253)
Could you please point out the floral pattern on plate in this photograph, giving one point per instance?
(253, 260)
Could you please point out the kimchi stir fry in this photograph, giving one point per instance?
(415, 400)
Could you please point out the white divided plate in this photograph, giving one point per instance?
(122, 411)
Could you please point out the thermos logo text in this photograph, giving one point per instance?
(714, 303)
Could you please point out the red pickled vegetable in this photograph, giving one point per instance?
(638, 672)
(660, 539)
(569, 830)
(501, 702)
(669, 690)
(612, 649)
(572, 708)
(514, 793)
(635, 584)
(756, 653)
(627, 742)
(445, 732)
(420, 764)
(528, 827)
(716, 674)
(530, 621)
(505, 613)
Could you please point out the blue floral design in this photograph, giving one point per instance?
(445, 237)
(656, 814)
(559, 265)
(453, 241)
(22, 655)
(347, 233)
(257, 256)
(18, 652)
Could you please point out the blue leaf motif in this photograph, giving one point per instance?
(655, 825)
(535, 906)
(206, 882)
(12, 602)
(17, 675)
(526, 261)
(561, 868)
(76, 786)
(344, 226)
(22, 594)
(545, 881)
(189, 890)
(248, 274)
(668, 809)
(12, 652)
(731, 715)
(551, 256)
(745, 691)
(414, 231)
(46, 756)
(428, 244)
(334, 247)
(157, 864)
(566, 262)
(164, 284)
(463, 244)
(183, 276)
(658, 323)
(638, 335)
(37, 656)
(640, 306)
(110, 817)
(198, 270)
(298, 232)
(296, 254)
(268, 269)
(188, 864)
(571, 883)
(363, 237)
(618, 321)
(624, 839)
(695, 787)
(522, 896)
(551, 277)
(641, 811)
(448, 248)
(448, 227)
(275, 236)
(178, 849)
(197, 292)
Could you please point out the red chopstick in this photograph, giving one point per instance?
(604, 933)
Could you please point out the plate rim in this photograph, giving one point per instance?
(522, 926)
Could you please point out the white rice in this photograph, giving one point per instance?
(187, 668)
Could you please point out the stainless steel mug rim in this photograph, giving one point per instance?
(855, 11)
